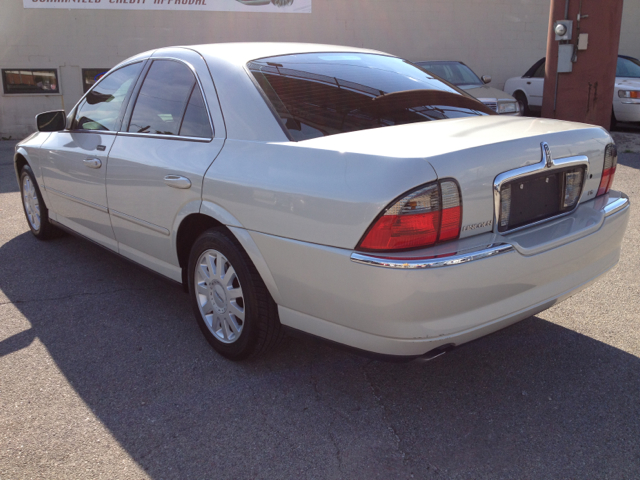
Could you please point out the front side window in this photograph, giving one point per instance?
(453, 72)
(539, 73)
(319, 94)
(629, 68)
(16, 81)
(101, 108)
(170, 103)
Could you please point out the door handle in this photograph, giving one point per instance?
(528, 83)
(92, 162)
(177, 181)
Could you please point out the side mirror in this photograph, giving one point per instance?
(54, 121)
(486, 79)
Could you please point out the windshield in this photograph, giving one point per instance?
(628, 67)
(318, 94)
(453, 72)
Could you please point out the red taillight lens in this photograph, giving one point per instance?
(609, 169)
(419, 219)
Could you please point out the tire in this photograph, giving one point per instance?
(522, 103)
(35, 210)
(232, 305)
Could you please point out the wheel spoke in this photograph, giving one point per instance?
(202, 290)
(208, 319)
(234, 293)
(203, 273)
(206, 307)
(220, 261)
(211, 265)
(234, 309)
(229, 275)
(225, 329)
(233, 324)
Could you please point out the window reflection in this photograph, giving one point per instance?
(101, 108)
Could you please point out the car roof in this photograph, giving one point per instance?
(242, 52)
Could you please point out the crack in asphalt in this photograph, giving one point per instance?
(384, 412)
(74, 295)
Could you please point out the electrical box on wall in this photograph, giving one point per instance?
(563, 29)
(565, 53)
(583, 41)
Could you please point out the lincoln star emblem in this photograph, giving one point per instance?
(546, 154)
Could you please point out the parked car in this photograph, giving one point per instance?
(626, 97)
(460, 75)
(341, 192)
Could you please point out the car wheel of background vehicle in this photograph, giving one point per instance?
(34, 208)
(522, 103)
(231, 303)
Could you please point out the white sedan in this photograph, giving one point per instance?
(528, 89)
(341, 192)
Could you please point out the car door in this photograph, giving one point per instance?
(74, 163)
(535, 86)
(158, 161)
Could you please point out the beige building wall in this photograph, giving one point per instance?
(501, 38)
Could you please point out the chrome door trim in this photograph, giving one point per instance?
(77, 200)
(168, 137)
(177, 181)
(142, 223)
(547, 163)
(422, 263)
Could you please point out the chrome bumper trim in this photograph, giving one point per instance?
(616, 206)
(419, 263)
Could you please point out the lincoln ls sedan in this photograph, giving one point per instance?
(340, 192)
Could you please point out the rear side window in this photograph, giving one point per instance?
(323, 94)
(101, 108)
(170, 103)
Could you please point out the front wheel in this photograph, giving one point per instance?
(34, 208)
(231, 303)
(523, 104)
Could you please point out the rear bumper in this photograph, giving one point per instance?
(449, 294)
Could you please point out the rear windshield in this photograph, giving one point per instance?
(318, 94)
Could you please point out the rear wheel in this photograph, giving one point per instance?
(523, 104)
(34, 208)
(232, 305)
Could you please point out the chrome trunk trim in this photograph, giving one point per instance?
(437, 262)
(546, 163)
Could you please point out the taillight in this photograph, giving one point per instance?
(609, 169)
(423, 217)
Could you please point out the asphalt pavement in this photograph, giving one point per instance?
(104, 374)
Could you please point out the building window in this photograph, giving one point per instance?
(91, 76)
(21, 80)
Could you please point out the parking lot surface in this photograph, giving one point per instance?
(104, 374)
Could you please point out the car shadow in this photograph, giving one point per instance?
(535, 400)
(8, 181)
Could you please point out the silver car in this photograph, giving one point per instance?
(460, 75)
(336, 191)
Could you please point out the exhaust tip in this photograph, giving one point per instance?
(436, 352)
